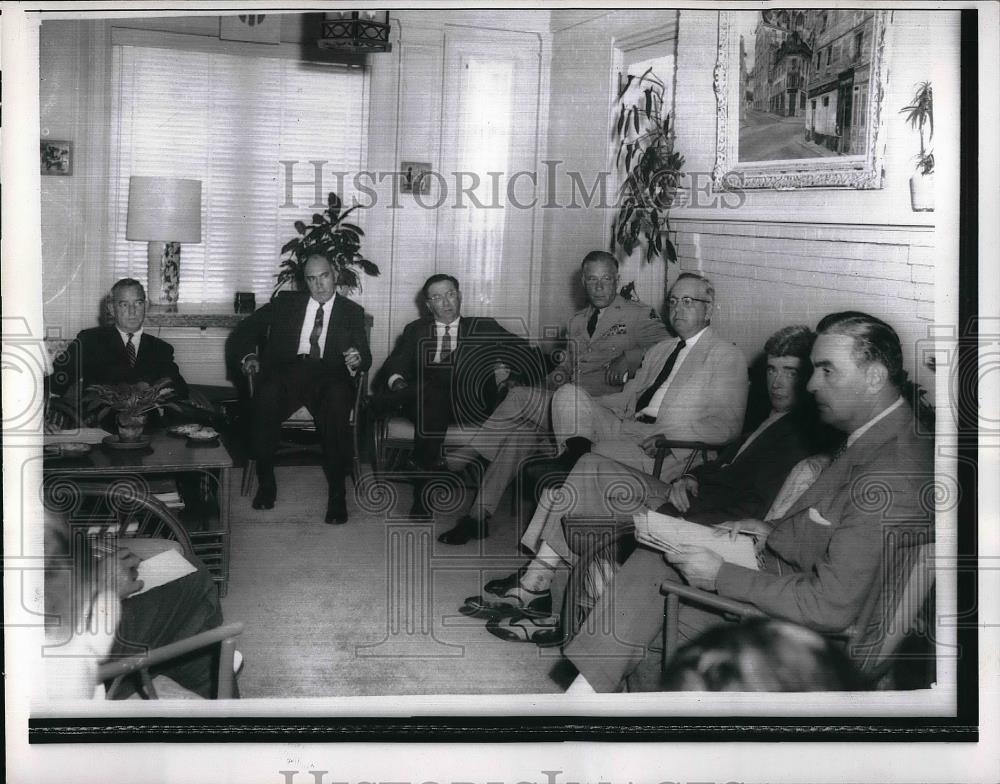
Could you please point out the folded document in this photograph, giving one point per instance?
(163, 568)
(665, 533)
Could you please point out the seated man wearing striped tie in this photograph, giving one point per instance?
(117, 353)
(448, 368)
(313, 343)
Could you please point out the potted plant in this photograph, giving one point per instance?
(651, 169)
(920, 115)
(330, 236)
(131, 404)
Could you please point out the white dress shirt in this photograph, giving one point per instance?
(439, 331)
(871, 423)
(308, 321)
(653, 409)
(136, 337)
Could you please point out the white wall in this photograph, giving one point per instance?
(782, 257)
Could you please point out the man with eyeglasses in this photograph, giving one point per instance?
(605, 344)
(448, 368)
(117, 353)
(690, 388)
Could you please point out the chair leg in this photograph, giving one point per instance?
(670, 610)
(249, 475)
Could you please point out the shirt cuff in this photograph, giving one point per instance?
(392, 380)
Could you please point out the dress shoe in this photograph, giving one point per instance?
(501, 585)
(266, 494)
(518, 601)
(336, 510)
(466, 529)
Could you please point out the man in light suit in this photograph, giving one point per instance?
(692, 388)
(313, 342)
(120, 353)
(820, 558)
(447, 369)
(605, 343)
(742, 482)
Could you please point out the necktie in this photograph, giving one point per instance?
(130, 350)
(646, 396)
(446, 345)
(592, 322)
(317, 329)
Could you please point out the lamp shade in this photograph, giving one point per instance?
(164, 209)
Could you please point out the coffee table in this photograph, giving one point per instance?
(166, 455)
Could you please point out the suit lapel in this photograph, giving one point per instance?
(838, 473)
(334, 316)
(683, 372)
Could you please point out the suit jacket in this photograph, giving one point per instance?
(828, 549)
(273, 331)
(625, 326)
(705, 401)
(98, 356)
(737, 487)
(482, 342)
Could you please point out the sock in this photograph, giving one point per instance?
(540, 572)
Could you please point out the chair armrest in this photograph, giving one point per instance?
(130, 664)
(712, 600)
(664, 444)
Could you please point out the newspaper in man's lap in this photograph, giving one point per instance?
(666, 533)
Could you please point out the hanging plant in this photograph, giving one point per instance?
(651, 169)
(330, 236)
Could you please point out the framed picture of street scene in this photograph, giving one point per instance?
(799, 98)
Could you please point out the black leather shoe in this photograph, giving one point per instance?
(336, 510)
(266, 494)
(501, 585)
(466, 529)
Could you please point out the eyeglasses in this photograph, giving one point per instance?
(139, 304)
(685, 301)
(593, 280)
(437, 299)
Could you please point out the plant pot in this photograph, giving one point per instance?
(922, 192)
(130, 427)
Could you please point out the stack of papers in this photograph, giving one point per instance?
(163, 568)
(665, 533)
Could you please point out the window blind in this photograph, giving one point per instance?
(229, 121)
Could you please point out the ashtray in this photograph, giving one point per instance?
(183, 431)
(71, 449)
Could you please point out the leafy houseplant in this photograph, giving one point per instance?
(330, 236)
(920, 115)
(651, 169)
(132, 404)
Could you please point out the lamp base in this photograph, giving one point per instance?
(164, 274)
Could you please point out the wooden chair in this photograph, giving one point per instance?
(394, 436)
(224, 636)
(891, 610)
(302, 423)
(120, 508)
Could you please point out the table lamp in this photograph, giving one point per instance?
(164, 211)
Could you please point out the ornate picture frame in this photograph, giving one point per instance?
(816, 86)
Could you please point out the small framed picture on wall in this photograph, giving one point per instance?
(415, 178)
(56, 157)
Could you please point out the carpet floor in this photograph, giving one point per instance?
(370, 608)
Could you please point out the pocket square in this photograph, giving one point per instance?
(817, 518)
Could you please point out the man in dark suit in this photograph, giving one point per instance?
(447, 368)
(313, 343)
(821, 557)
(742, 482)
(120, 353)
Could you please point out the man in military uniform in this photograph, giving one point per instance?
(606, 342)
